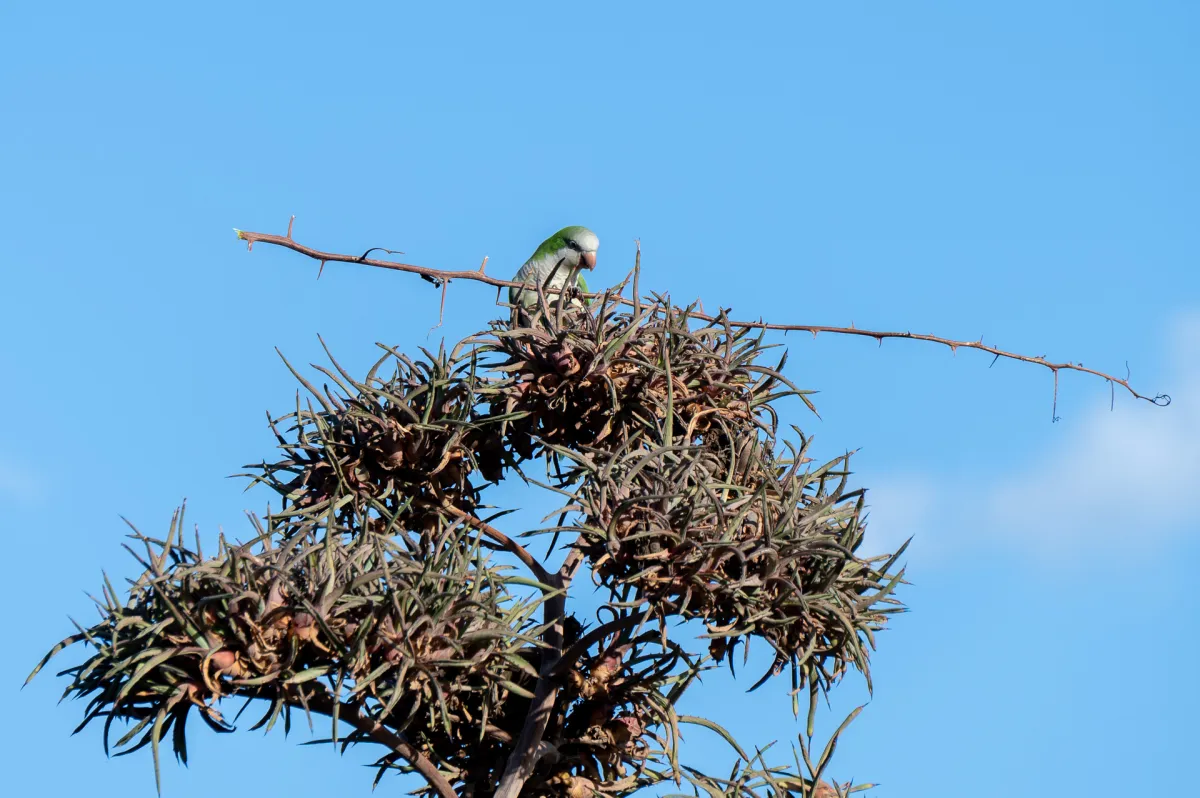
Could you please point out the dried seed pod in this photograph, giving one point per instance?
(373, 586)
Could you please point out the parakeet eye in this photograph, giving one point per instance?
(573, 245)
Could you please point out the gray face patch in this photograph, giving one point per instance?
(588, 241)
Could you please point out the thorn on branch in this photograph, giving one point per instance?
(1054, 419)
(363, 256)
(290, 222)
(483, 265)
(637, 273)
(244, 236)
(441, 309)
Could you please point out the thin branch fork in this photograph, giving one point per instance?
(523, 758)
(323, 703)
(441, 276)
(505, 542)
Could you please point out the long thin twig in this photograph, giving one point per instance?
(440, 275)
(323, 703)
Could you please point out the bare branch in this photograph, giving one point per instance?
(438, 275)
(523, 759)
(507, 543)
(322, 703)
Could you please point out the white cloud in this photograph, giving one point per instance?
(1129, 476)
(19, 484)
(897, 508)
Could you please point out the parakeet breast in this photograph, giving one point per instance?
(537, 271)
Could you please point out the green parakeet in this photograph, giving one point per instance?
(574, 246)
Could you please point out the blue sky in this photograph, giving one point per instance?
(1023, 171)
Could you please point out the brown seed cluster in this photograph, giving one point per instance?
(599, 379)
(665, 433)
(427, 638)
(373, 589)
(608, 722)
(406, 445)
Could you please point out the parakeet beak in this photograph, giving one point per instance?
(589, 259)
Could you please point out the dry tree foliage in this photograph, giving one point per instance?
(374, 596)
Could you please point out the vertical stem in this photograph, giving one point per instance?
(523, 760)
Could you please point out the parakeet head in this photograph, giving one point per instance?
(574, 245)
